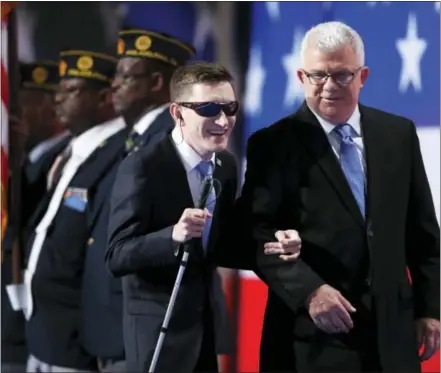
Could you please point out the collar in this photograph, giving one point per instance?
(86, 143)
(353, 121)
(144, 122)
(188, 155)
(44, 146)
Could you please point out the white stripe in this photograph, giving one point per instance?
(248, 274)
(4, 110)
(4, 127)
(4, 45)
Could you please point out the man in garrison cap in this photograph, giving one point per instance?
(45, 136)
(39, 81)
(147, 61)
(63, 223)
(39, 138)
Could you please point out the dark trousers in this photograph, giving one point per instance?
(207, 361)
(308, 349)
(326, 358)
(357, 353)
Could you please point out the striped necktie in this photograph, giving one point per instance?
(132, 142)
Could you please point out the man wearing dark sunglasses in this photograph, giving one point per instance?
(141, 94)
(153, 214)
(351, 179)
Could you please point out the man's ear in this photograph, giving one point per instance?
(301, 76)
(175, 111)
(105, 96)
(364, 75)
(157, 82)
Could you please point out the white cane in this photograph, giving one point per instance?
(183, 265)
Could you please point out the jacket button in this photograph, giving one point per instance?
(370, 233)
(367, 282)
(90, 241)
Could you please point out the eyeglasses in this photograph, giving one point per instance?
(340, 77)
(212, 109)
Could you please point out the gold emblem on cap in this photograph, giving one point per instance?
(85, 63)
(143, 43)
(121, 46)
(39, 75)
(62, 68)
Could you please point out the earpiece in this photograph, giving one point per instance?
(180, 118)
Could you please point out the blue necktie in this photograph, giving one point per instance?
(205, 169)
(351, 165)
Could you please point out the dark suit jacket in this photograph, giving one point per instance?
(101, 301)
(151, 192)
(33, 183)
(13, 347)
(294, 181)
(54, 332)
(34, 179)
(162, 124)
(102, 293)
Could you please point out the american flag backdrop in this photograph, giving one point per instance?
(402, 45)
(6, 7)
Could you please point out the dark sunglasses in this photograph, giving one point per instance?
(212, 109)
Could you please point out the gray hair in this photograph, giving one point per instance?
(331, 36)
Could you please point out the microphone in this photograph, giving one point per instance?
(206, 188)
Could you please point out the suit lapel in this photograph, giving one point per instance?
(40, 168)
(179, 189)
(175, 183)
(174, 175)
(374, 153)
(318, 146)
(163, 123)
(113, 151)
(103, 157)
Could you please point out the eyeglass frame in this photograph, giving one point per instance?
(327, 76)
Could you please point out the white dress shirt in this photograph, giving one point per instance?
(334, 138)
(190, 160)
(82, 148)
(145, 122)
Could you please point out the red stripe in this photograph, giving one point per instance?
(5, 93)
(7, 6)
(5, 171)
